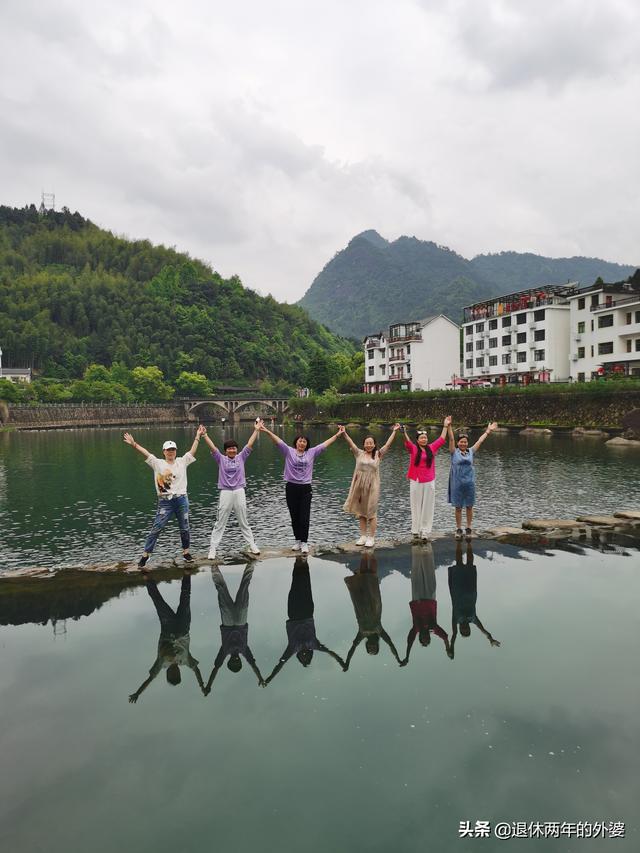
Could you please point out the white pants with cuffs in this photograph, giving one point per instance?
(422, 497)
(232, 500)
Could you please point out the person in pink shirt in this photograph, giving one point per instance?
(422, 476)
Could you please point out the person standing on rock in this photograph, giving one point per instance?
(364, 492)
(462, 476)
(231, 484)
(463, 586)
(422, 479)
(170, 480)
(298, 473)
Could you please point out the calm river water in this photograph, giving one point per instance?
(72, 497)
(354, 752)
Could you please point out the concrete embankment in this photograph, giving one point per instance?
(66, 415)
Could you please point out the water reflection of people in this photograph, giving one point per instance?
(173, 644)
(423, 604)
(234, 629)
(463, 586)
(301, 628)
(364, 589)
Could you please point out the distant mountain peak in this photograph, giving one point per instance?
(372, 236)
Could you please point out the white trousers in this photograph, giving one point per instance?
(422, 497)
(231, 500)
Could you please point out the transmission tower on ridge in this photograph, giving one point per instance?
(48, 202)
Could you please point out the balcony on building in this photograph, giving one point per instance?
(537, 297)
(404, 332)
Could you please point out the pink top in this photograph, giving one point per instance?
(422, 473)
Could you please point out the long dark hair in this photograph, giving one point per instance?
(429, 454)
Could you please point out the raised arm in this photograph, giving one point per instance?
(384, 636)
(254, 434)
(445, 426)
(390, 440)
(452, 440)
(487, 634)
(350, 441)
(274, 438)
(336, 657)
(285, 657)
(490, 428)
(196, 441)
(354, 646)
(130, 440)
(410, 638)
(329, 441)
(210, 443)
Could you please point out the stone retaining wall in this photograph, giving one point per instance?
(47, 416)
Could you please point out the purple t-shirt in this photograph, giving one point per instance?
(298, 468)
(231, 471)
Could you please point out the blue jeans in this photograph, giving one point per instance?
(178, 506)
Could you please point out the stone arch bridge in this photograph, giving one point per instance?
(231, 408)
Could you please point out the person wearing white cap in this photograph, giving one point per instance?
(170, 479)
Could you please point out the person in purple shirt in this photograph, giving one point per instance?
(298, 472)
(231, 483)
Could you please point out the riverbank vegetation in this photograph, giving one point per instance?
(73, 296)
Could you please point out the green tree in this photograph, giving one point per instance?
(149, 386)
(319, 372)
(192, 385)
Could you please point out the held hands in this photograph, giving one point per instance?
(202, 430)
(395, 427)
(447, 421)
(342, 429)
(128, 439)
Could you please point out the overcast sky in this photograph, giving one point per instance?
(262, 136)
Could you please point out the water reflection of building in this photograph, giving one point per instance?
(173, 643)
(423, 604)
(234, 630)
(364, 589)
(463, 587)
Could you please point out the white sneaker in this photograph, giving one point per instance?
(369, 542)
(212, 554)
(361, 540)
(304, 548)
(296, 546)
(253, 549)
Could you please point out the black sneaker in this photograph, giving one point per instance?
(187, 557)
(459, 533)
(142, 562)
(467, 533)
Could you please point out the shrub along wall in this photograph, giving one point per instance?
(475, 409)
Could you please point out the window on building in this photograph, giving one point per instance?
(479, 327)
(521, 319)
(493, 343)
(522, 356)
(506, 358)
(493, 360)
(370, 353)
(594, 300)
(627, 318)
(637, 316)
(479, 362)
(580, 352)
(605, 321)
(506, 321)
(392, 369)
(629, 345)
(581, 377)
(506, 340)
(408, 349)
(581, 328)
(479, 344)
(539, 314)
(468, 330)
(637, 344)
(371, 371)
(581, 303)
(538, 335)
(592, 325)
(493, 324)
(538, 355)
(382, 352)
(605, 348)
(521, 337)
(469, 364)
(469, 346)
(591, 350)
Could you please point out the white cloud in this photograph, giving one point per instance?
(262, 137)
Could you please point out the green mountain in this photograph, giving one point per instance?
(72, 295)
(373, 282)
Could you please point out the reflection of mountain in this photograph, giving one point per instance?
(67, 595)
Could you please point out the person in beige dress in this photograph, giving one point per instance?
(364, 493)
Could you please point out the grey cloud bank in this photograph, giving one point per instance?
(261, 139)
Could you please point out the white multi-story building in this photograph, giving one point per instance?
(605, 330)
(521, 337)
(416, 356)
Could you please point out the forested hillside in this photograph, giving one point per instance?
(373, 282)
(73, 295)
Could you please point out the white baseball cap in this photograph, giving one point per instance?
(169, 445)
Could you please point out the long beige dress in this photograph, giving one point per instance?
(364, 492)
